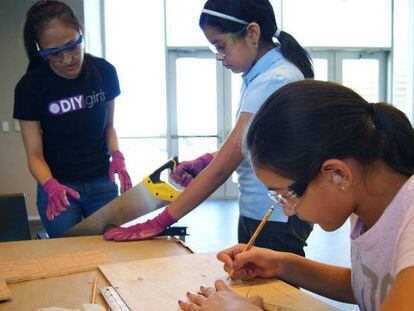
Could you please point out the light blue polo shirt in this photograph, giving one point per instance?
(271, 72)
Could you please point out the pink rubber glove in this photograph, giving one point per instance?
(117, 165)
(187, 170)
(145, 231)
(57, 197)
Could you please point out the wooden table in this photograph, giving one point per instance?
(70, 291)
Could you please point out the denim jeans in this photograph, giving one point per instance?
(94, 194)
(287, 236)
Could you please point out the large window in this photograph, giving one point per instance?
(135, 45)
(182, 18)
(339, 23)
(403, 63)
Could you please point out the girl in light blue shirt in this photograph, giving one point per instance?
(241, 34)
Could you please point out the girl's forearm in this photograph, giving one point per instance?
(326, 280)
(39, 169)
(112, 139)
(207, 182)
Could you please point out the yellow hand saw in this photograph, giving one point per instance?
(150, 194)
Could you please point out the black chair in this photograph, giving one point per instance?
(14, 224)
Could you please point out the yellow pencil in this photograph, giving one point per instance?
(256, 233)
(95, 284)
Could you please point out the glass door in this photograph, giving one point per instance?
(323, 65)
(363, 71)
(198, 118)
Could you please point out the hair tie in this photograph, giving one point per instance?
(277, 33)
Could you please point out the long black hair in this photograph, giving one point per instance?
(305, 123)
(261, 12)
(37, 20)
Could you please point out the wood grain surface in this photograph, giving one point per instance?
(158, 284)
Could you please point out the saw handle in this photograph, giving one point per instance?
(156, 175)
(189, 172)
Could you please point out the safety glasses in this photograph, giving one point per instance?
(73, 48)
(221, 50)
(288, 198)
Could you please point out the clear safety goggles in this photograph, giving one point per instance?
(289, 198)
(221, 50)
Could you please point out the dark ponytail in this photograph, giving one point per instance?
(397, 137)
(296, 54)
(37, 20)
(261, 12)
(305, 123)
(29, 38)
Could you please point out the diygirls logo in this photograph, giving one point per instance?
(75, 103)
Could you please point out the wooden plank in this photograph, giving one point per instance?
(117, 252)
(60, 264)
(5, 293)
(157, 284)
(71, 290)
(132, 204)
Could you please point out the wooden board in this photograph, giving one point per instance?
(132, 204)
(157, 284)
(72, 290)
(5, 293)
(60, 264)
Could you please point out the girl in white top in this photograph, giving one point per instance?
(325, 154)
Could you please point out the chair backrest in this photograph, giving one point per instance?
(14, 224)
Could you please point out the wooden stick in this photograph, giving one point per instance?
(94, 286)
(256, 233)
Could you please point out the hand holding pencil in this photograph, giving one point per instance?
(255, 234)
(243, 257)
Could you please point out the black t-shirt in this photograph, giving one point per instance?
(72, 115)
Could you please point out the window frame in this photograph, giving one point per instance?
(224, 119)
(335, 56)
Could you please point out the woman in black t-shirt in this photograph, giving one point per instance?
(65, 106)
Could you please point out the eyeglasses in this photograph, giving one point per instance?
(58, 55)
(288, 198)
(221, 51)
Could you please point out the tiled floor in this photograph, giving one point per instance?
(213, 227)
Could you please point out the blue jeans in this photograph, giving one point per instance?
(287, 236)
(94, 194)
